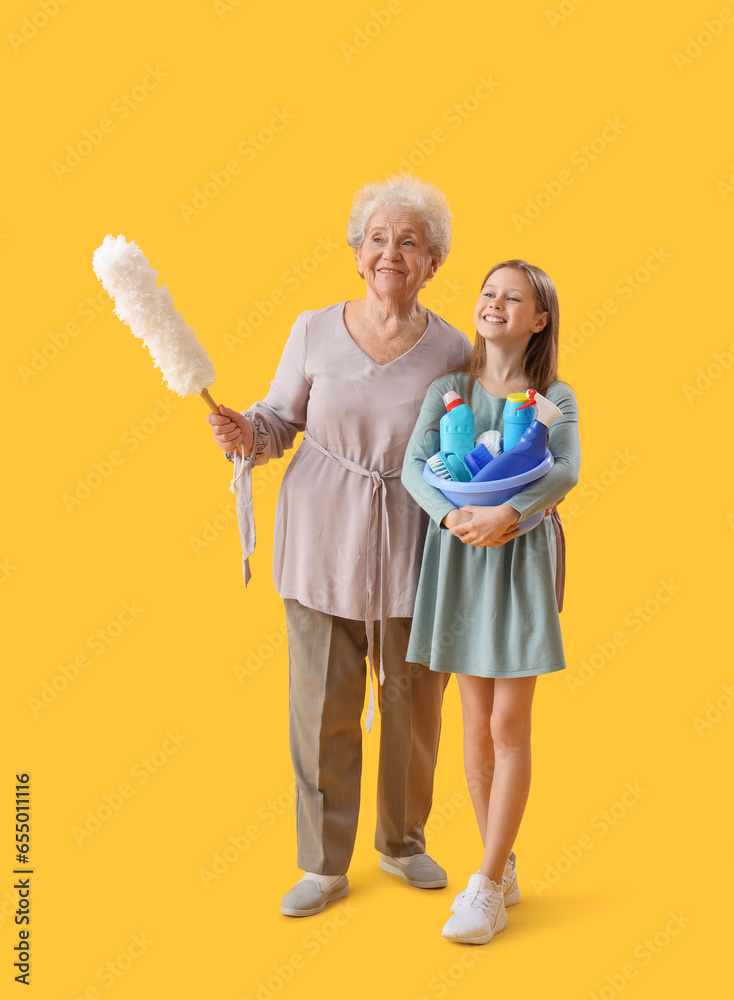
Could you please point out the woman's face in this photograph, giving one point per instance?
(506, 308)
(394, 258)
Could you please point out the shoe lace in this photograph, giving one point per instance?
(476, 898)
(506, 879)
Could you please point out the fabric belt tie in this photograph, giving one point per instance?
(241, 485)
(560, 558)
(375, 573)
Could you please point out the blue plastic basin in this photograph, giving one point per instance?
(491, 494)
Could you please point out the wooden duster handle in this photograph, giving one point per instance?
(209, 401)
(215, 409)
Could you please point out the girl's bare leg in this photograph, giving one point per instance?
(476, 710)
(498, 711)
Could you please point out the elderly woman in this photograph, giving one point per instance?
(349, 539)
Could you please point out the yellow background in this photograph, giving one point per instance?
(201, 658)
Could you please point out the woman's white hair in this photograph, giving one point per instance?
(408, 194)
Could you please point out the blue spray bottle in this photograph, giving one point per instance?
(456, 429)
(529, 450)
(516, 418)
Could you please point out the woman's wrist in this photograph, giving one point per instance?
(248, 446)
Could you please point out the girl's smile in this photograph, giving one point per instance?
(507, 304)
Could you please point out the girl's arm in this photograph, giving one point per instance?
(424, 442)
(563, 441)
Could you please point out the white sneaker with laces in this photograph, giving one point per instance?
(480, 915)
(510, 887)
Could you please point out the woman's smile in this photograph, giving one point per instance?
(394, 258)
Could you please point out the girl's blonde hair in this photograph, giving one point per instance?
(540, 361)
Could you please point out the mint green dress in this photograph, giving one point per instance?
(489, 612)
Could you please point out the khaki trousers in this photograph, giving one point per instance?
(327, 691)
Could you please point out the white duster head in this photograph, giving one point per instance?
(148, 310)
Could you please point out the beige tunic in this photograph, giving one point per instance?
(348, 537)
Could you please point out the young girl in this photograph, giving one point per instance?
(488, 601)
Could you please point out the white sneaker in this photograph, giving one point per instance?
(509, 882)
(480, 915)
(510, 887)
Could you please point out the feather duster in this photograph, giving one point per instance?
(148, 310)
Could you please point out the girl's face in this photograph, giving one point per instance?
(506, 310)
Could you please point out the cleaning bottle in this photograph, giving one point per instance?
(529, 450)
(456, 429)
(516, 418)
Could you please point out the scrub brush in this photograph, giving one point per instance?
(447, 465)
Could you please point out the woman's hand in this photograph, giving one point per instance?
(488, 527)
(231, 429)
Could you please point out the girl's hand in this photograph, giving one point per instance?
(549, 510)
(231, 429)
(489, 526)
(455, 517)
